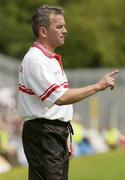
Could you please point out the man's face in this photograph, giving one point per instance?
(56, 31)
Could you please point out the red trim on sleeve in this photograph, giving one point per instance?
(65, 85)
(49, 91)
(25, 90)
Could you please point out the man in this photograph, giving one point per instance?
(45, 99)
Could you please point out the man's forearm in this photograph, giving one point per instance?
(77, 94)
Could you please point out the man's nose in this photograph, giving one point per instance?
(64, 30)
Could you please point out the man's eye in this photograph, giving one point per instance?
(59, 27)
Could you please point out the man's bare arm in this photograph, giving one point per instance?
(72, 96)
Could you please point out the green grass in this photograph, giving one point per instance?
(109, 166)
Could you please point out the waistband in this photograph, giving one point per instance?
(55, 122)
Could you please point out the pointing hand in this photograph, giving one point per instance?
(107, 81)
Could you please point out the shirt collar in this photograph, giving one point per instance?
(48, 53)
(44, 50)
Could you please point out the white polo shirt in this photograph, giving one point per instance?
(41, 82)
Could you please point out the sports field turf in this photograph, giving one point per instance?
(109, 166)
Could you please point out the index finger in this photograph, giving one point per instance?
(113, 73)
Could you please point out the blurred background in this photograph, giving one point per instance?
(95, 45)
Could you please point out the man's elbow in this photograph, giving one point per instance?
(59, 102)
(63, 100)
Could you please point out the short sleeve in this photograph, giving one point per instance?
(42, 81)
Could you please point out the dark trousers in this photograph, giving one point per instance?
(45, 147)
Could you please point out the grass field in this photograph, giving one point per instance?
(109, 166)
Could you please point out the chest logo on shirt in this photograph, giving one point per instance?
(21, 69)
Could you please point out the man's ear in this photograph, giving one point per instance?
(43, 32)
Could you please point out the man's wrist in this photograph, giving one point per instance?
(97, 87)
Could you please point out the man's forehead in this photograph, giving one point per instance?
(56, 18)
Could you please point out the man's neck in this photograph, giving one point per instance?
(46, 46)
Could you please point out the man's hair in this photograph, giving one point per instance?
(41, 17)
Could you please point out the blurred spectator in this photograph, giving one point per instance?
(4, 165)
(6, 150)
(82, 145)
(10, 129)
(112, 137)
(87, 141)
(97, 141)
(122, 142)
(16, 141)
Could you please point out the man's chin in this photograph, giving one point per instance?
(62, 42)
